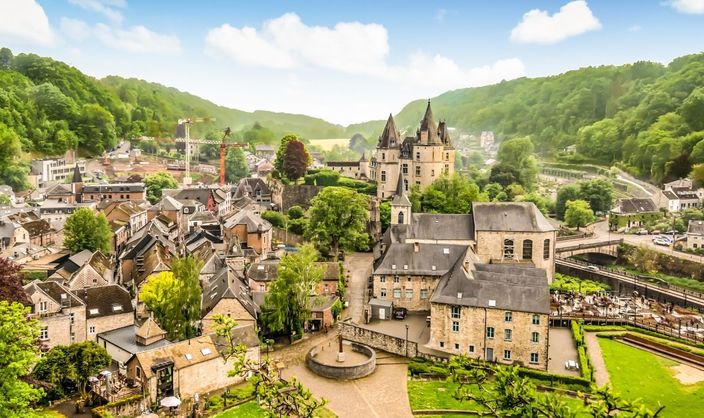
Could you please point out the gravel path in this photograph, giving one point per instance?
(601, 375)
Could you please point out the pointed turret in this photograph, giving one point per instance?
(77, 177)
(400, 205)
(444, 134)
(428, 125)
(400, 197)
(364, 157)
(389, 137)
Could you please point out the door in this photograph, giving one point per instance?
(489, 354)
(382, 313)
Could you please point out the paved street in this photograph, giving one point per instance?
(562, 349)
(360, 267)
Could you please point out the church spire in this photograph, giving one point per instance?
(428, 125)
(77, 177)
(400, 197)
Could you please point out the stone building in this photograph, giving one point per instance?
(250, 231)
(695, 235)
(358, 170)
(422, 158)
(107, 308)
(135, 192)
(61, 314)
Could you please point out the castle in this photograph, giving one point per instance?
(421, 158)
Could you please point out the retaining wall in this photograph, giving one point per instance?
(342, 372)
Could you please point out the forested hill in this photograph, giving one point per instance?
(48, 107)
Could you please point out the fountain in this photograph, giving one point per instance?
(358, 361)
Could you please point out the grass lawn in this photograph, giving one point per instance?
(636, 373)
(252, 410)
(49, 413)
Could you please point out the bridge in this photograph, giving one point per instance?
(564, 249)
(625, 283)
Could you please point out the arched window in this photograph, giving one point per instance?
(546, 249)
(400, 217)
(508, 248)
(527, 249)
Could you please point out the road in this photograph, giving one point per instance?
(602, 233)
(359, 266)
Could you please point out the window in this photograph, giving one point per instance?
(432, 173)
(508, 248)
(508, 334)
(44, 333)
(536, 319)
(455, 326)
(409, 293)
(527, 249)
(442, 344)
(533, 357)
(417, 171)
(404, 168)
(424, 293)
(456, 311)
(397, 293)
(534, 337)
(405, 184)
(400, 218)
(383, 156)
(397, 279)
(447, 168)
(91, 329)
(507, 354)
(546, 249)
(382, 279)
(71, 317)
(383, 293)
(42, 306)
(417, 155)
(471, 349)
(447, 156)
(457, 346)
(383, 176)
(138, 372)
(508, 316)
(490, 332)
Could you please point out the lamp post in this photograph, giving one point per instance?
(406, 340)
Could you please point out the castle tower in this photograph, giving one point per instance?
(77, 183)
(400, 205)
(386, 160)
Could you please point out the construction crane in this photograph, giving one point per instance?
(223, 146)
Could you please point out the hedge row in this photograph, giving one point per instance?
(585, 364)
(102, 411)
(599, 328)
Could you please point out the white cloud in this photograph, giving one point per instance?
(537, 26)
(348, 47)
(75, 29)
(104, 7)
(688, 6)
(286, 42)
(25, 20)
(137, 39)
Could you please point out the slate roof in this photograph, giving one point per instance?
(429, 260)
(695, 227)
(627, 206)
(199, 349)
(390, 136)
(199, 194)
(428, 124)
(217, 288)
(105, 300)
(58, 189)
(167, 203)
(680, 183)
(113, 187)
(497, 286)
(253, 221)
(77, 177)
(250, 186)
(444, 134)
(400, 198)
(54, 290)
(38, 227)
(509, 217)
(205, 217)
(125, 338)
(265, 270)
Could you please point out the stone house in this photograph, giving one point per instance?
(223, 295)
(255, 189)
(61, 314)
(680, 195)
(215, 200)
(492, 312)
(633, 213)
(187, 368)
(147, 256)
(170, 208)
(85, 269)
(61, 193)
(321, 312)
(358, 170)
(107, 307)
(135, 192)
(126, 212)
(123, 343)
(250, 231)
(260, 274)
(695, 235)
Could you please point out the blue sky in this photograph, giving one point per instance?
(345, 61)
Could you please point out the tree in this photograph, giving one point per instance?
(451, 195)
(578, 213)
(69, 367)
(338, 218)
(96, 128)
(88, 358)
(288, 302)
(385, 214)
(564, 194)
(20, 351)
(5, 59)
(692, 109)
(517, 153)
(503, 174)
(277, 397)
(5, 200)
(295, 160)
(11, 173)
(155, 183)
(296, 212)
(175, 297)
(235, 165)
(599, 193)
(492, 190)
(281, 151)
(643, 259)
(358, 143)
(698, 174)
(11, 289)
(503, 393)
(86, 230)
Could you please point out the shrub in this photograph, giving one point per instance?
(576, 383)
(277, 219)
(298, 226)
(296, 212)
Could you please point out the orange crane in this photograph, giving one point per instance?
(223, 146)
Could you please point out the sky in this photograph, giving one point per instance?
(345, 61)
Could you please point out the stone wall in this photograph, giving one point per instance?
(127, 407)
(289, 238)
(342, 372)
(286, 196)
(378, 340)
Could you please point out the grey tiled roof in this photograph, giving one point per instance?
(126, 339)
(509, 216)
(429, 260)
(695, 227)
(637, 206)
(105, 300)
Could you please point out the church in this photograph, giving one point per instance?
(421, 158)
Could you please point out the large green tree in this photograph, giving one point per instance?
(155, 183)
(86, 230)
(96, 128)
(338, 218)
(453, 194)
(175, 297)
(281, 151)
(288, 302)
(578, 213)
(518, 154)
(235, 165)
(12, 172)
(19, 351)
(68, 368)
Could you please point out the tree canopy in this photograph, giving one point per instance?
(11, 289)
(155, 183)
(235, 165)
(338, 219)
(295, 160)
(578, 213)
(453, 194)
(86, 230)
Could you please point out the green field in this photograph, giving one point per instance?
(636, 373)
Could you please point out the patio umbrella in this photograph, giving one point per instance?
(170, 402)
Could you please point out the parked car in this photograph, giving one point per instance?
(663, 242)
(592, 268)
(400, 313)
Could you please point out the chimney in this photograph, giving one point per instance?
(416, 247)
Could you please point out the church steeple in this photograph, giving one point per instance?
(389, 137)
(77, 177)
(400, 204)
